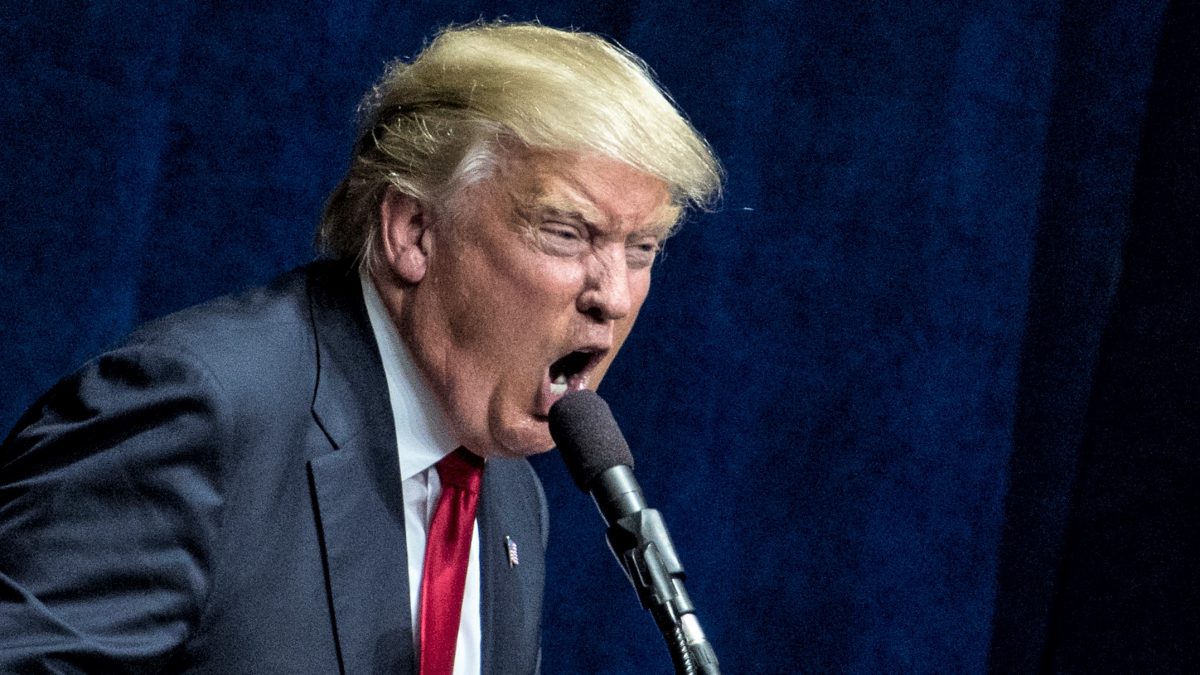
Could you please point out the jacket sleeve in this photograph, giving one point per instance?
(109, 512)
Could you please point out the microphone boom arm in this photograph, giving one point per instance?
(598, 458)
(639, 540)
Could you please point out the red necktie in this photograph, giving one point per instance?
(447, 554)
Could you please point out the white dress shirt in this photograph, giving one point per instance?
(423, 437)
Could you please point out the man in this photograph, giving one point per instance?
(249, 485)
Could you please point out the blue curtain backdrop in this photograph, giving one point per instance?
(861, 392)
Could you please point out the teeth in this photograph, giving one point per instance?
(559, 385)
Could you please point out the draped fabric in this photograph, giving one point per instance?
(891, 396)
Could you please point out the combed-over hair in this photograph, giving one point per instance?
(434, 125)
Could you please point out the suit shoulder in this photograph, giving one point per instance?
(261, 337)
(254, 349)
(227, 321)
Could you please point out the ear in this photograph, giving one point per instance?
(404, 225)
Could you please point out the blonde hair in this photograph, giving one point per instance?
(436, 124)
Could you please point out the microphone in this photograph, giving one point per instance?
(599, 461)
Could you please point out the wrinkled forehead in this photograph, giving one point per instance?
(589, 188)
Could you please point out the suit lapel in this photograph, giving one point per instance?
(356, 484)
(511, 595)
(368, 593)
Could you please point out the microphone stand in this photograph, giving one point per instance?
(640, 542)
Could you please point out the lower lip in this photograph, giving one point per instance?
(546, 398)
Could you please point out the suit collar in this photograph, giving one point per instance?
(351, 392)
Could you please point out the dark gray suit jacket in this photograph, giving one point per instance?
(221, 494)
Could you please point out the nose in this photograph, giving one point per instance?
(605, 295)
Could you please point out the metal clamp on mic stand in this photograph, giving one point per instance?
(641, 543)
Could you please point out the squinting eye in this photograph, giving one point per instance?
(561, 239)
(568, 233)
(560, 230)
(641, 255)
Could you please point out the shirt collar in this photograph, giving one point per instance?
(423, 434)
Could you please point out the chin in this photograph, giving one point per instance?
(532, 438)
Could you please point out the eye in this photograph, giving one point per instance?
(640, 254)
(561, 238)
(561, 231)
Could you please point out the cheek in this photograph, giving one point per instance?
(496, 292)
(516, 263)
(550, 277)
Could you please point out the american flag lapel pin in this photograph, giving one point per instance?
(510, 547)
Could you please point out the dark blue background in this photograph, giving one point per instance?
(884, 338)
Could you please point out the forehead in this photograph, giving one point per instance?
(602, 192)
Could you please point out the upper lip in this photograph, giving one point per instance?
(595, 352)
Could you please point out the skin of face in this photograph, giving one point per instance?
(549, 255)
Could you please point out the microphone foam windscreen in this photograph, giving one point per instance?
(587, 436)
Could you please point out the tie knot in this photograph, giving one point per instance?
(461, 469)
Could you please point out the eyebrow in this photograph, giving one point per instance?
(592, 218)
(568, 214)
(567, 208)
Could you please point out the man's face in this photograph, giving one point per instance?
(530, 290)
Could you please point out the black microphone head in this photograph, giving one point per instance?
(587, 436)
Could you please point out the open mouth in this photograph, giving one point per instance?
(571, 371)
